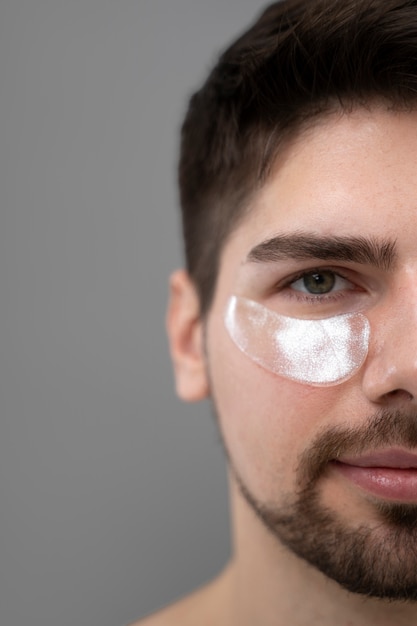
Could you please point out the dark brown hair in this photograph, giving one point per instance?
(302, 58)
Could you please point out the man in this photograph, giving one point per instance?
(297, 314)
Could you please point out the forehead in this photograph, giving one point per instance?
(350, 174)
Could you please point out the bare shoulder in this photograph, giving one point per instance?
(208, 606)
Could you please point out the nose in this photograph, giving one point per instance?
(390, 370)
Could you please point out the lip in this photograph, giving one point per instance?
(388, 474)
(392, 457)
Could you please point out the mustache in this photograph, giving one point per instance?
(386, 428)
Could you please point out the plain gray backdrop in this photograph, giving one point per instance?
(113, 493)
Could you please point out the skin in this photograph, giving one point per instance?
(354, 175)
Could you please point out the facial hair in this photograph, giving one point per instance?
(378, 560)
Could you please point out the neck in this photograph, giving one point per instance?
(270, 586)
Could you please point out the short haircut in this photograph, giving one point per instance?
(301, 59)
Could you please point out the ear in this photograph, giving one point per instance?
(185, 334)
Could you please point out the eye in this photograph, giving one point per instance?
(320, 282)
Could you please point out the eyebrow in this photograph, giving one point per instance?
(380, 253)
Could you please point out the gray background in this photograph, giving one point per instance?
(113, 493)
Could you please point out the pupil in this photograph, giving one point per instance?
(319, 282)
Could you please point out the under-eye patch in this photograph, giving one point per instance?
(315, 352)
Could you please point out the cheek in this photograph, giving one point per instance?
(320, 352)
(266, 420)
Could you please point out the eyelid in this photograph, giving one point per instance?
(361, 291)
(272, 284)
(349, 285)
(341, 297)
(340, 272)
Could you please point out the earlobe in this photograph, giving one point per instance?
(185, 334)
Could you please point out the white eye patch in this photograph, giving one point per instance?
(316, 352)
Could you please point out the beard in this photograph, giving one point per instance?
(378, 560)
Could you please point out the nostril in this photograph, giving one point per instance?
(399, 394)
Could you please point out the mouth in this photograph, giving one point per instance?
(389, 474)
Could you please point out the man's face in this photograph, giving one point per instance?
(351, 176)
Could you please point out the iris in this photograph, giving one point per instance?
(319, 282)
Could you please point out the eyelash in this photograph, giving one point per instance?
(314, 298)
